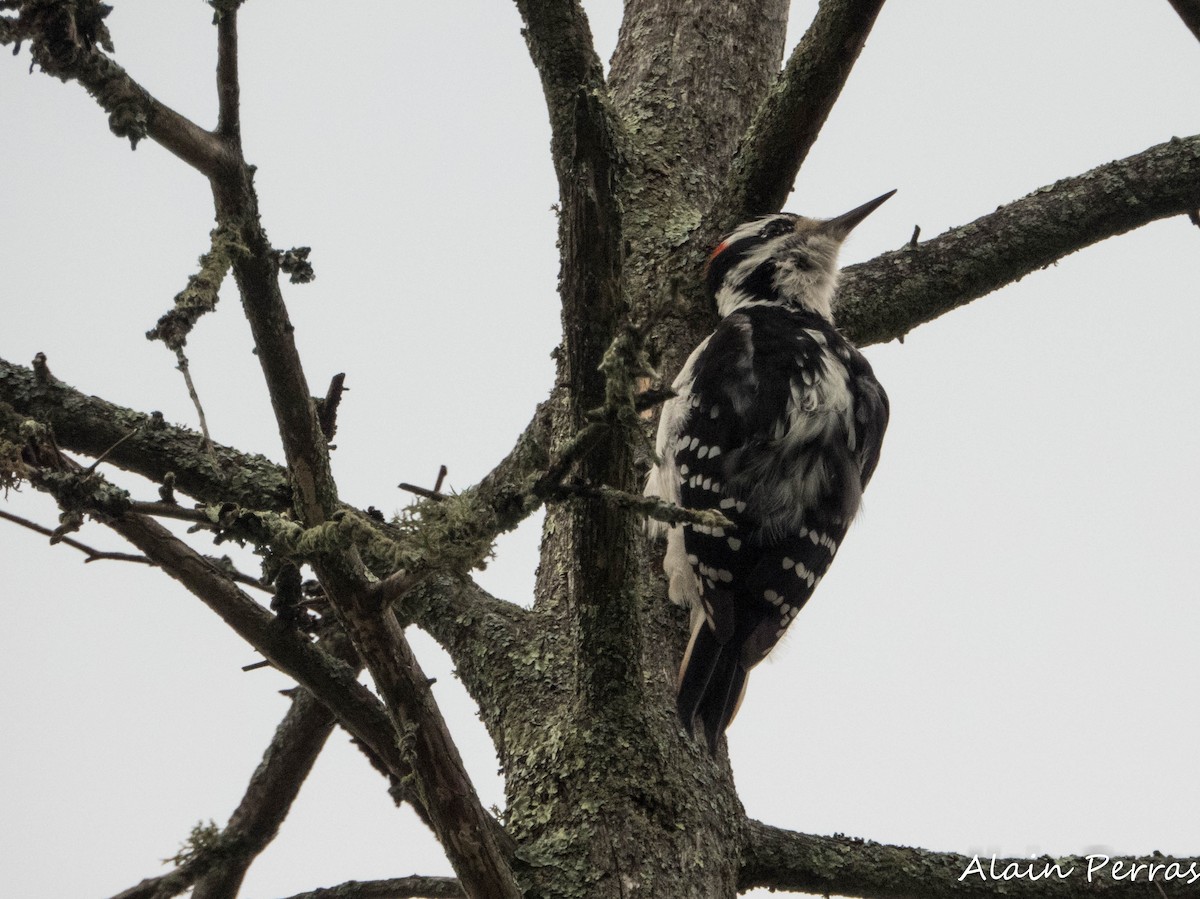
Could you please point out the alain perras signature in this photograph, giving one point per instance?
(1098, 866)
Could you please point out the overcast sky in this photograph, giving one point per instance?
(1003, 658)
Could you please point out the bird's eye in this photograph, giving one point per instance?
(802, 262)
(776, 228)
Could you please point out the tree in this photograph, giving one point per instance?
(653, 162)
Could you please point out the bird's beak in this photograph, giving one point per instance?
(844, 223)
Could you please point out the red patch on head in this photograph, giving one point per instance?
(717, 251)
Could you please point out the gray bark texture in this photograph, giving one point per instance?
(698, 125)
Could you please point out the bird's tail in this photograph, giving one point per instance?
(712, 680)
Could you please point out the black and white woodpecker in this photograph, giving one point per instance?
(777, 423)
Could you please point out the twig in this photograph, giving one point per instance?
(398, 888)
(41, 369)
(649, 506)
(328, 407)
(435, 494)
(648, 399)
(201, 293)
(191, 388)
(388, 591)
(228, 85)
(170, 510)
(166, 490)
(576, 448)
(93, 555)
(243, 578)
(912, 243)
(104, 455)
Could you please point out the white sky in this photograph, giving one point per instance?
(1003, 658)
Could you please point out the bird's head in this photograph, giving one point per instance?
(782, 258)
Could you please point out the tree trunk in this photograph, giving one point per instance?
(606, 797)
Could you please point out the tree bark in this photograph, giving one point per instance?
(695, 128)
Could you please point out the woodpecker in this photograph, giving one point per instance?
(776, 422)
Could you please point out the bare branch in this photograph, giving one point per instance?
(167, 885)
(328, 407)
(331, 681)
(397, 888)
(1189, 11)
(161, 452)
(217, 871)
(90, 425)
(475, 845)
(228, 87)
(560, 45)
(887, 297)
(185, 370)
(582, 146)
(64, 39)
(649, 506)
(423, 492)
(469, 835)
(93, 555)
(273, 788)
(790, 117)
(170, 510)
(104, 455)
(419, 738)
(783, 860)
(256, 272)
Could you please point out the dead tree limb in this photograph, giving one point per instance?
(788, 120)
(783, 860)
(887, 297)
